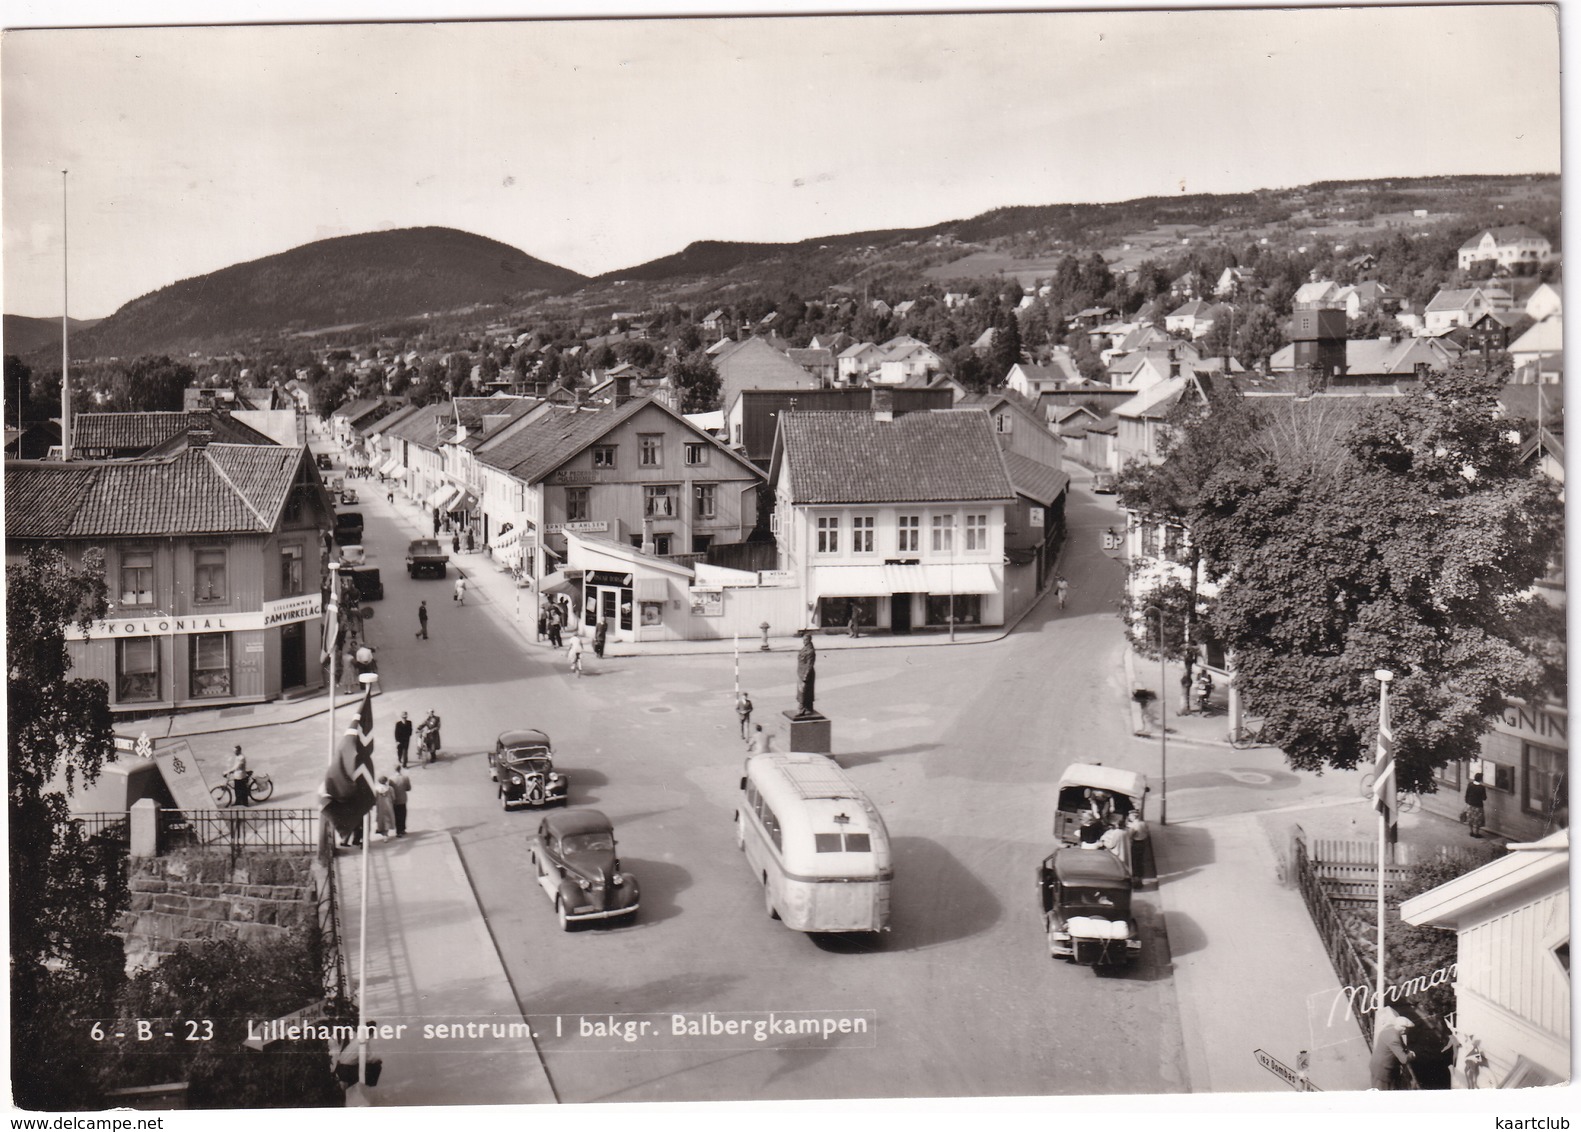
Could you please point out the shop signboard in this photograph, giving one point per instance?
(708, 603)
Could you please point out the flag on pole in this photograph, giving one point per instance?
(329, 629)
(348, 787)
(1383, 768)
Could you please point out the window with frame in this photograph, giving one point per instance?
(137, 577)
(696, 454)
(828, 534)
(842, 843)
(909, 534)
(603, 455)
(944, 534)
(662, 545)
(977, 532)
(701, 543)
(291, 573)
(650, 450)
(136, 670)
(1002, 422)
(1545, 783)
(208, 575)
(577, 507)
(707, 499)
(862, 528)
(658, 500)
(211, 665)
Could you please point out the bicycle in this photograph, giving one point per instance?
(1249, 734)
(262, 790)
(1404, 801)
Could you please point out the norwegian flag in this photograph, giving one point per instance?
(348, 787)
(329, 630)
(1383, 768)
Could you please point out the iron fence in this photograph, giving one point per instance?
(1352, 969)
(112, 826)
(332, 953)
(249, 830)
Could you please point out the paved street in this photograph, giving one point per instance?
(959, 747)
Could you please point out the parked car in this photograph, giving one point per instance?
(366, 578)
(323, 462)
(1086, 896)
(349, 495)
(426, 556)
(1103, 483)
(348, 528)
(522, 762)
(574, 853)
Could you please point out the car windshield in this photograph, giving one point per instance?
(1112, 902)
(589, 842)
(528, 764)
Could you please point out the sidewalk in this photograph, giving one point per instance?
(432, 964)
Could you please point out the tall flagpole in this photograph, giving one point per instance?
(333, 631)
(65, 304)
(1384, 676)
(367, 679)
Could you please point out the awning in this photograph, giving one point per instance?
(464, 501)
(441, 496)
(390, 467)
(558, 583)
(881, 581)
(653, 589)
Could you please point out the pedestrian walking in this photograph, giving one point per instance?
(389, 497)
(471, 542)
(422, 620)
(762, 742)
(403, 738)
(856, 620)
(600, 635)
(1476, 798)
(436, 522)
(455, 543)
(1061, 588)
(1185, 692)
(543, 624)
(554, 626)
(383, 807)
(400, 784)
(1390, 1055)
(573, 653)
(461, 588)
(744, 713)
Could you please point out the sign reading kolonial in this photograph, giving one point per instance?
(282, 611)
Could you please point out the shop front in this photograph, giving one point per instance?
(902, 596)
(642, 597)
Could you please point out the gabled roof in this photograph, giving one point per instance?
(219, 489)
(1452, 300)
(857, 350)
(1038, 482)
(1508, 234)
(943, 455)
(1544, 337)
(140, 432)
(1196, 308)
(1154, 402)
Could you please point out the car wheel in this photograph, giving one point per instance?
(559, 914)
(741, 834)
(768, 900)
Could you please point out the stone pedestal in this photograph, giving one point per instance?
(811, 733)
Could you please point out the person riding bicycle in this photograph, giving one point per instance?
(240, 778)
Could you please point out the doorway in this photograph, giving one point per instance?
(293, 655)
(900, 613)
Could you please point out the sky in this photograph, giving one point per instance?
(601, 144)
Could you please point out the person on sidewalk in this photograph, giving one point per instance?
(1476, 798)
(600, 636)
(744, 713)
(854, 628)
(461, 588)
(400, 784)
(436, 522)
(422, 620)
(403, 738)
(1389, 1054)
(429, 731)
(383, 807)
(471, 542)
(573, 653)
(1185, 693)
(554, 626)
(1061, 588)
(455, 542)
(1141, 848)
(241, 778)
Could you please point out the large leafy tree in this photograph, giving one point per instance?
(697, 381)
(65, 890)
(152, 385)
(1408, 539)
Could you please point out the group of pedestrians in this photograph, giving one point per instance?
(758, 741)
(427, 733)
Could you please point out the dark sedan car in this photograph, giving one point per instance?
(522, 762)
(574, 852)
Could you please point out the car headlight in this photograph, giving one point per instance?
(618, 879)
(516, 780)
(584, 883)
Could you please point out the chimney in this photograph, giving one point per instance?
(883, 404)
(200, 428)
(622, 390)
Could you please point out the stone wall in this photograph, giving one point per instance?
(191, 896)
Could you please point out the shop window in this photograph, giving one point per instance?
(968, 609)
(1545, 783)
(828, 534)
(696, 454)
(862, 534)
(659, 500)
(577, 504)
(291, 570)
(944, 534)
(834, 612)
(650, 450)
(137, 578)
(1498, 776)
(603, 455)
(707, 500)
(977, 532)
(136, 669)
(909, 538)
(211, 665)
(208, 575)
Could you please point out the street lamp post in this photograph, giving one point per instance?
(1163, 720)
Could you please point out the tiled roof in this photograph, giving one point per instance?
(1451, 300)
(136, 433)
(1034, 480)
(948, 454)
(220, 489)
(540, 447)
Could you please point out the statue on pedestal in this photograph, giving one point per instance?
(806, 676)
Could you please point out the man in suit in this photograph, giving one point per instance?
(403, 737)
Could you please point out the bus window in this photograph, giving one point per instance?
(842, 843)
(858, 843)
(772, 824)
